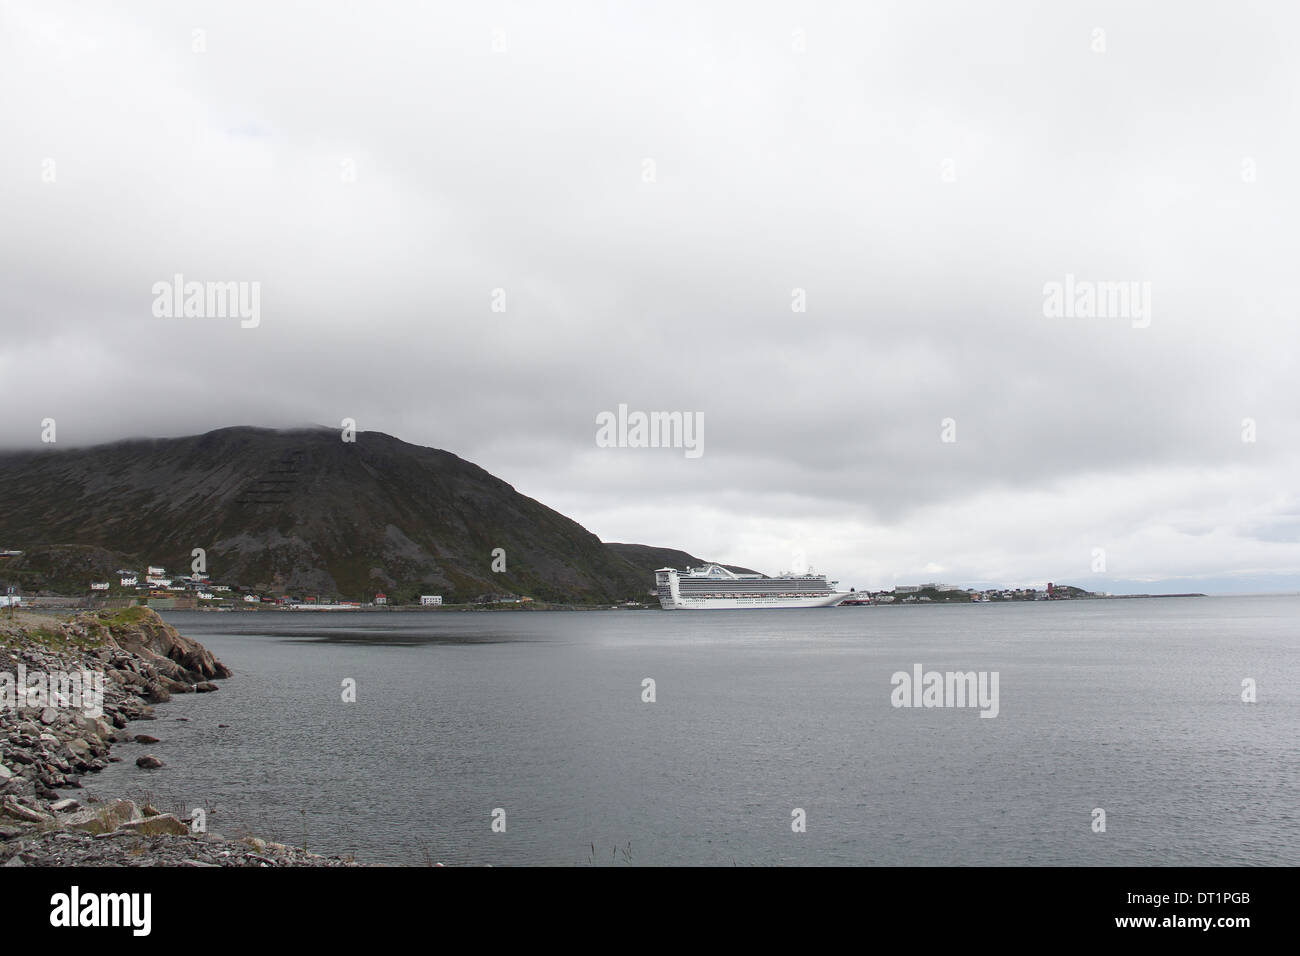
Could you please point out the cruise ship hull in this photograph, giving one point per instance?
(686, 603)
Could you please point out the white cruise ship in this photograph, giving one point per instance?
(713, 587)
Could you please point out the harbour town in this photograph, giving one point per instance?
(156, 588)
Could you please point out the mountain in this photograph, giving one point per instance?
(300, 512)
(649, 559)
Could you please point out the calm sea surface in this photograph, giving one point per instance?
(1130, 706)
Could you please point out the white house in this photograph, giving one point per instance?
(159, 572)
(252, 599)
(205, 595)
(11, 599)
(129, 582)
(99, 585)
(159, 582)
(430, 599)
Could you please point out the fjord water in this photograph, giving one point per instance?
(1131, 706)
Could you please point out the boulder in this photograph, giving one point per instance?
(145, 739)
(92, 726)
(148, 762)
(19, 787)
(159, 825)
(12, 808)
(104, 818)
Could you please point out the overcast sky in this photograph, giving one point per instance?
(921, 171)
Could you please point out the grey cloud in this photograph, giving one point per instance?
(774, 171)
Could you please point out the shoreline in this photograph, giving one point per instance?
(121, 663)
(71, 605)
(55, 604)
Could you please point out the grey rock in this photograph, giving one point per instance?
(92, 726)
(104, 818)
(12, 808)
(164, 823)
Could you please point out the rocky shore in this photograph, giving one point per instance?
(112, 667)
